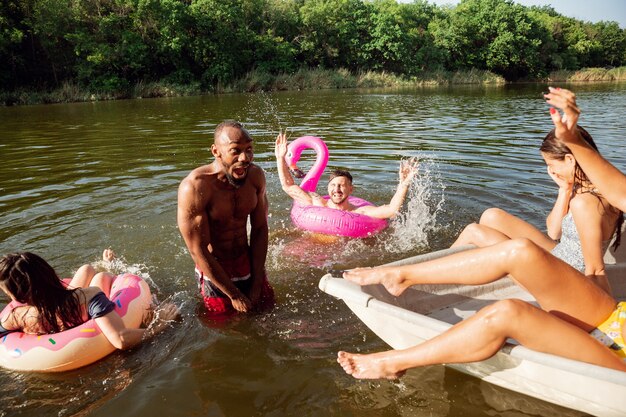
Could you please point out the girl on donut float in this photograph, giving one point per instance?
(340, 187)
(51, 307)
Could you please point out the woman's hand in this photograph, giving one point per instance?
(565, 124)
(563, 184)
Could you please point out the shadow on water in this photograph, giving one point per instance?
(80, 177)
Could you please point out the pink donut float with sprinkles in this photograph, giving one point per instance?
(80, 345)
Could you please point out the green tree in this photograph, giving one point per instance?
(496, 35)
(334, 33)
(612, 41)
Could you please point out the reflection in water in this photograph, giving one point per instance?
(80, 177)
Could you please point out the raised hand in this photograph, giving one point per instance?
(281, 145)
(408, 170)
(565, 124)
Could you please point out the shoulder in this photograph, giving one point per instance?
(9, 321)
(586, 204)
(257, 175)
(197, 178)
(197, 185)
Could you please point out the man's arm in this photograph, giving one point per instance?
(258, 239)
(286, 180)
(408, 169)
(193, 224)
(605, 177)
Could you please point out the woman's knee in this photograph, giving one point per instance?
(471, 230)
(502, 315)
(103, 280)
(493, 216)
(83, 275)
(523, 250)
(86, 270)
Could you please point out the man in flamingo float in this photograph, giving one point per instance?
(214, 203)
(340, 187)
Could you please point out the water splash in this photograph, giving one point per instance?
(119, 265)
(269, 115)
(425, 200)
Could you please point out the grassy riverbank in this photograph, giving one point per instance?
(304, 79)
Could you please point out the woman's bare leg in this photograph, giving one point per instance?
(556, 286)
(82, 277)
(479, 235)
(496, 225)
(480, 336)
(86, 275)
(515, 228)
(104, 280)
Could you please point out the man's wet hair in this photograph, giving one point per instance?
(340, 173)
(230, 123)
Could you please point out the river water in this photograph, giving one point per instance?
(77, 178)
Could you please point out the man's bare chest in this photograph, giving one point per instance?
(227, 206)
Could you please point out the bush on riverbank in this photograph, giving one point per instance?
(590, 75)
(319, 79)
(303, 79)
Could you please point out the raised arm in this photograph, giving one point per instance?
(286, 180)
(610, 182)
(193, 224)
(407, 172)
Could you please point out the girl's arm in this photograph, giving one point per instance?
(121, 337)
(560, 209)
(587, 212)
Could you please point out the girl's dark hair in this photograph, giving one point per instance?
(32, 281)
(557, 150)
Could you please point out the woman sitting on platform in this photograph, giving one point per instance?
(574, 314)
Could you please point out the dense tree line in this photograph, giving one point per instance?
(108, 45)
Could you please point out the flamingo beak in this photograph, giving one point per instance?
(295, 171)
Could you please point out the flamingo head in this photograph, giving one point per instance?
(294, 151)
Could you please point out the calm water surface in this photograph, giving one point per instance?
(77, 178)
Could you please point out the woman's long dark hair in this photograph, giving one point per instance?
(32, 281)
(557, 150)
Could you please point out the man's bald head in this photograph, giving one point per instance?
(230, 125)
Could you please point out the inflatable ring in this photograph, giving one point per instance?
(80, 345)
(337, 222)
(327, 220)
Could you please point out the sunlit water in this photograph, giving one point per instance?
(77, 178)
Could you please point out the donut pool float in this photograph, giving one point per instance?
(80, 345)
(327, 220)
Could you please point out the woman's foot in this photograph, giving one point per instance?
(108, 255)
(389, 277)
(373, 366)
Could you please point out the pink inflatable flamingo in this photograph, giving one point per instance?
(324, 219)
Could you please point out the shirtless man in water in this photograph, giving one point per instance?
(214, 203)
(340, 187)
